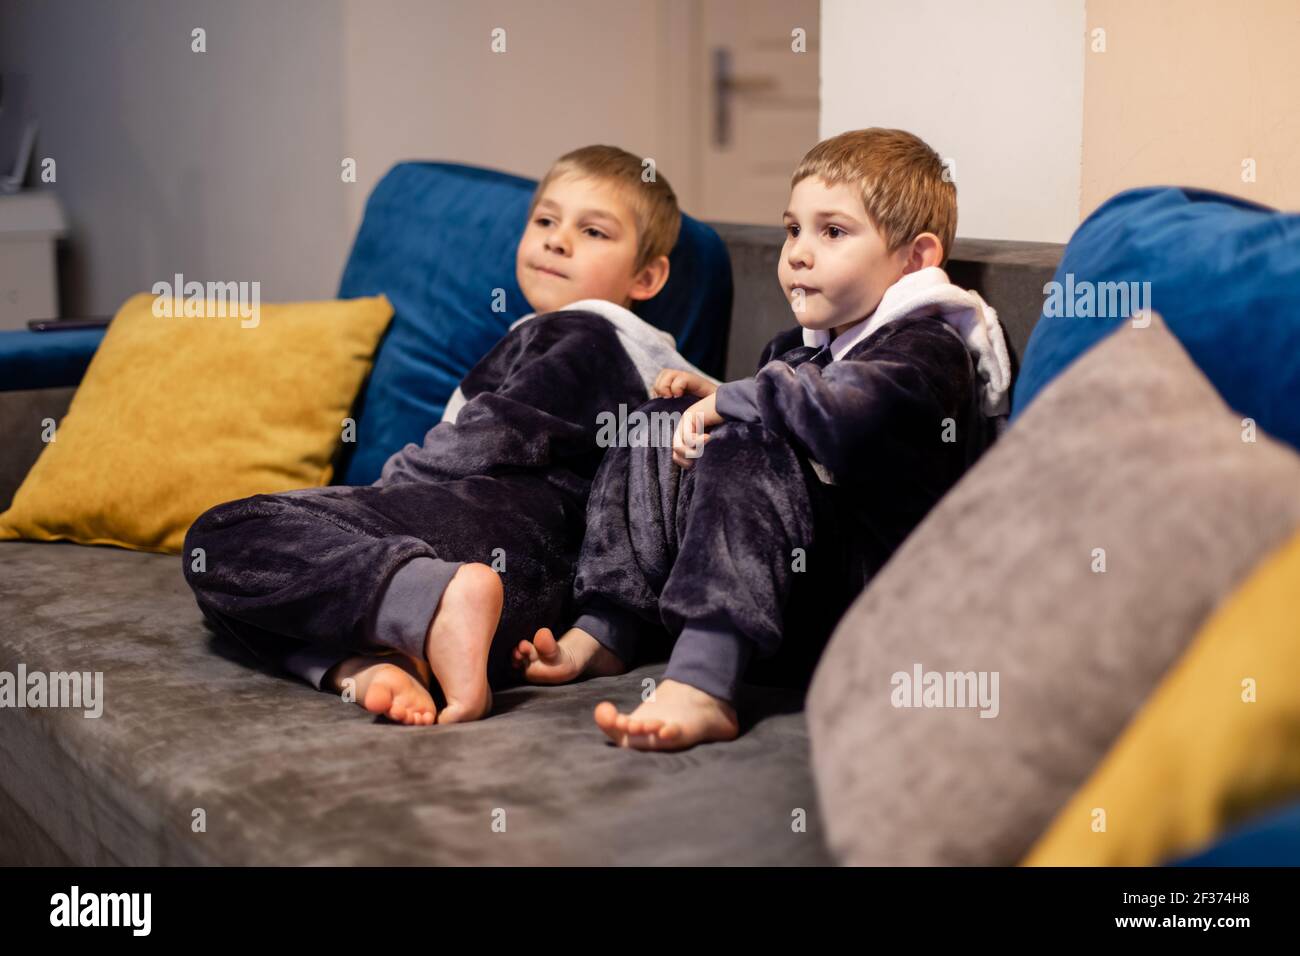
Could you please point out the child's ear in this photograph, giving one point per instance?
(925, 250)
(649, 280)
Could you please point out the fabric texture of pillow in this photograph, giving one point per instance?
(1130, 463)
(1217, 742)
(55, 359)
(175, 415)
(439, 240)
(1224, 273)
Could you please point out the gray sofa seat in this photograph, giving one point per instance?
(287, 775)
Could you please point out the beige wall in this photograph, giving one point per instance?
(225, 165)
(1188, 89)
(995, 85)
(1043, 128)
(421, 82)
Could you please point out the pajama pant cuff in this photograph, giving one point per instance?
(407, 606)
(401, 623)
(711, 659)
(615, 628)
(312, 662)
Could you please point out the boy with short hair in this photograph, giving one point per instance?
(784, 493)
(385, 590)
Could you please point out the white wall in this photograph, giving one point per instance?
(995, 85)
(222, 165)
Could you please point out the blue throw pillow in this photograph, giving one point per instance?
(438, 239)
(1272, 840)
(1224, 273)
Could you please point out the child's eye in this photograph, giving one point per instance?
(543, 220)
(834, 231)
(593, 231)
(792, 231)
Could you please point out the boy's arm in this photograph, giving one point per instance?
(738, 400)
(907, 384)
(535, 399)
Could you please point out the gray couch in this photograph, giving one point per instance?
(200, 757)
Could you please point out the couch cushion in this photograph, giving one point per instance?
(412, 248)
(288, 775)
(180, 412)
(1224, 273)
(1130, 451)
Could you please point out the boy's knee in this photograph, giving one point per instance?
(200, 528)
(743, 457)
(648, 430)
(195, 547)
(748, 439)
(201, 532)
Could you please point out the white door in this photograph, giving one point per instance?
(757, 64)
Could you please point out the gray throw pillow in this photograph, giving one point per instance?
(1130, 461)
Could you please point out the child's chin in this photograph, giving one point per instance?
(541, 303)
(816, 323)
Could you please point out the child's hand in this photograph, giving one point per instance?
(673, 383)
(691, 433)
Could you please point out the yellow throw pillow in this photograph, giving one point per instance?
(1216, 743)
(178, 413)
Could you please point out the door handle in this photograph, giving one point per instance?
(726, 85)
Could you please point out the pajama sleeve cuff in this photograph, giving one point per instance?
(710, 659)
(408, 603)
(738, 400)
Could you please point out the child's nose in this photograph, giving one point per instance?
(558, 241)
(798, 255)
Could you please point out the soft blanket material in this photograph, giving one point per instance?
(505, 483)
(747, 556)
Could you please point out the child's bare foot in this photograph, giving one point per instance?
(458, 640)
(544, 660)
(678, 717)
(390, 686)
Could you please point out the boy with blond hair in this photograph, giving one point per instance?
(784, 493)
(386, 592)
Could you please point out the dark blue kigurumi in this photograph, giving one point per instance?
(1225, 275)
(438, 239)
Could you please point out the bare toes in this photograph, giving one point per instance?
(546, 644)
